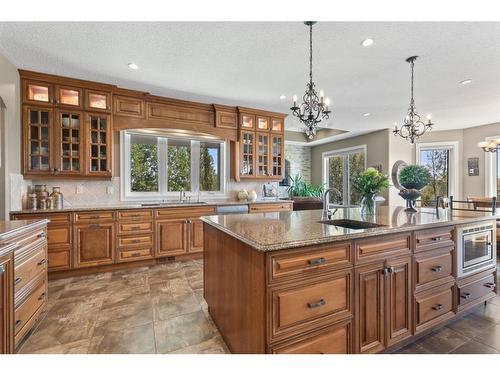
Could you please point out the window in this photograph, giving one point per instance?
(340, 168)
(439, 159)
(157, 166)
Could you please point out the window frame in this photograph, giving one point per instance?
(163, 194)
(490, 170)
(344, 152)
(453, 162)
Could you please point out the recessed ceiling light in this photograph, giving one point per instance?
(466, 81)
(133, 66)
(282, 97)
(366, 114)
(367, 42)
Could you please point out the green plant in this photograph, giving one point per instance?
(414, 177)
(301, 188)
(370, 182)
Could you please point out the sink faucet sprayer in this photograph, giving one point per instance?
(325, 198)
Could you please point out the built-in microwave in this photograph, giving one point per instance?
(476, 247)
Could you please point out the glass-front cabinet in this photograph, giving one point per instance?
(277, 148)
(247, 154)
(70, 141)
(69, 97)
(38, 130)
(99, 145)
(38, 93)
(262, 154)
(98, 101)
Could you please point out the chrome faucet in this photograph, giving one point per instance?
(182, 196)
(325, 199)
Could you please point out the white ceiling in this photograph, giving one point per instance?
(252, 64)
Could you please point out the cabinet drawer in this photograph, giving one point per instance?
(184, 212)
(135, 254)
(132, 228)
(434, 267)
(30, 305)
(310, 261)
(270, 207)
(434, 239)
(135, 215)
(146, 239)
(301, 307)
(476, 288)
(433, 306)
(131, 107)
(59, 260)
(28, 242)
(29, 268)
(94, 216)
(58, 218)
(58, 236)
(336, 339)
(382, 247)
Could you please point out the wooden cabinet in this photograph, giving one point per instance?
(270, 207)
(6, 302)
(196, 236)
(37, 92)
(277, 148)
(171, 237)
(247, 121)
(247, 157)
(95, 244)
(99, 148)
(96, 100)
(130, 107)
(262, 154)
(67, 96)
(38, 133)
(70, 143)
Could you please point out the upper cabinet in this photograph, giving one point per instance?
(97, 101)
(259, 152)
(35, 92)
(69, 97)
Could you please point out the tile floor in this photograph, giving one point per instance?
(161, 309)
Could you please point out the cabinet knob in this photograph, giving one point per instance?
(438, 307)
(43, 261)
(437, 269)
(42, 296)
(313, 305)
(17, 280)
(42, 235)
(439, 238)
(18, 323)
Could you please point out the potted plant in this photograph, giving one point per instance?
(305, 195)
(368, 184)
(412, 178)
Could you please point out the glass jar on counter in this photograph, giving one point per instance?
(57, 198)
(32, 202)
(43, 204)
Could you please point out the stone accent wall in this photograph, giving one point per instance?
(300, 160)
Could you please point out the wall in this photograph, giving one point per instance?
(11, 132)
(300, 160)
(377, 146)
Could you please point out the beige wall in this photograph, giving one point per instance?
(11, 132)
(377, 146)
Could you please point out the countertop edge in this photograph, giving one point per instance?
(331, 239)
(31, 224)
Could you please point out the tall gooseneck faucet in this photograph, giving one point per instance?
(325, 198)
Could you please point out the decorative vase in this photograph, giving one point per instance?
(252, 196)
(242, 195)
(57, 198)
(368, 205)
(410, 195)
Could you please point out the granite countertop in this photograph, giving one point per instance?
(8, 229)
(283, 230)
(137, 205)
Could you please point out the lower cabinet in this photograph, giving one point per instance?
(336, 339)
(196, 236)
(171, 237)
(383, 308)
(95, 244)
(6, 304)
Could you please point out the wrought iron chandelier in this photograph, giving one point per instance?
(490, 146)
(314, 107)
(413, 127)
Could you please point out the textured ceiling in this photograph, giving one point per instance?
(252, 64)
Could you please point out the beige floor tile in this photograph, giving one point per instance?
(214, 345)
(491, 337)
(76, 347)
(474, 347)
(442, 341)
(129, 340)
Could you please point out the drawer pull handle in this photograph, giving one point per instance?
(18, 323)
(42, 235)
(136, 241)
(465, 295)
(41, 262)
(490, 285)
(42, 296)
(18, 280)
(439, 238)
(95, 226)
(94, 216)
(136, 254)
(437, 269)
(135, 228)
(318, 261)
(438, 307)
(313, 305)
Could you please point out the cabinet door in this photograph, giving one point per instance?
(277, 148)
(71, 97)
(38, 140)
(398, 300)
(6, 304)
(262, 123)
(262, 155)
(99, 149)
(38, 93)
(247, 121)
(247, 148)
(370, 314)
(97, 101)
(95, 244)
(70, 143)
(171, 237)
(196, 236)
(130, 107)
(277, 125)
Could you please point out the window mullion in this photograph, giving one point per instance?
(163, 166)
(195, 166)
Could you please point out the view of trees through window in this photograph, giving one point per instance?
(437, 162)
(143, 164)
(340, 167)
(181, 157)
(498, 173)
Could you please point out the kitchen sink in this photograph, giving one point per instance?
(351, 224)
(165, 204)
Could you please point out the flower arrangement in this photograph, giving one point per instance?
(370, 182)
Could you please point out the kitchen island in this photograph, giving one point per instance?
(300, 282)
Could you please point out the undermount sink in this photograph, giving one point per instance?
(351, 224)
(170, 203)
